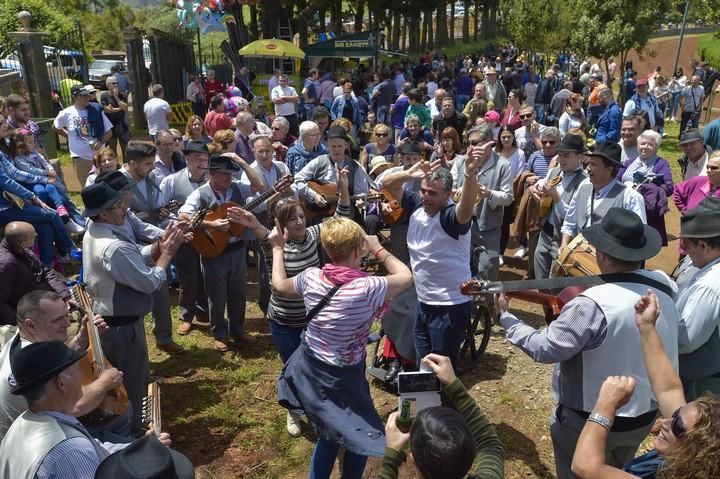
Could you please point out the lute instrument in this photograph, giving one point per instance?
(329, 191)
(211, 243)
(393, 211)
(151, 413)
(546, 202)
(94, 363)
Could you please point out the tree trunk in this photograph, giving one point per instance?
(486, 20)
(301, 26)
(451, 26)
(254, 30)
(430, 34)
(359, 14)
(442, 30)
(395, 32)
(466, 22)
(338, 19)
(476, 20)
(413, 33)
(493, 18)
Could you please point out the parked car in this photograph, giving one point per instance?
(100, 70)
(58, 62)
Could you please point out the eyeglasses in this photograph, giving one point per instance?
(381, 135)
(526, 116)
(677, 426)
(548, 142)
(178, 140)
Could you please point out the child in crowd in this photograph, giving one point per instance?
(418, 108)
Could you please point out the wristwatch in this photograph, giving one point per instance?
(600, 419)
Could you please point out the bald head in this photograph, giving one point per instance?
(20, 234)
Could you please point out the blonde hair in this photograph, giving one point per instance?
(215, 148)
(224, 137)
(340, 236)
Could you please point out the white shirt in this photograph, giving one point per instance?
(269, 178)
(272, 83)
(79, 135)
(156, 111)
(435, 112)
(697, 169)
(287, 108)
(699, 306)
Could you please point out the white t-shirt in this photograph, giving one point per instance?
(79, 135)
(156, 111)
(287, 108)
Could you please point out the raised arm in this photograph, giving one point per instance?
(399, 277)
(664, 381)
(394, 182)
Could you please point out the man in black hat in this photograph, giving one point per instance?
(699, 301)
(47, 441)
(322, 170)
(178, 186)
(224, 275)
(600, 193)
(43, 316)
(146, 458)
(694, 161)
(121, 283)
(595, 336)
(571, 152)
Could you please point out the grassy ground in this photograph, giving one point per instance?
(709, 48)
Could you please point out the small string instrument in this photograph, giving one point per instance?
(394, 212)
(212, 243)
(94, 363)
(329, 191)
(151, 413)
(546, 202)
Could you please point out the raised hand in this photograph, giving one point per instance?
(342, 177)
(616, 391)
(241, 216)
(647, 310)
(276, 238)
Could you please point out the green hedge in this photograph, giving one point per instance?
(709, 48)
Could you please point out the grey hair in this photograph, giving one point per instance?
(550, 132)
(484, 131)
(259, 136)
(157, 90)
(110, 79)
(651, 135)
(283, 122)
(442, 175)
(244, 117)
(307, 127)
(412, 116)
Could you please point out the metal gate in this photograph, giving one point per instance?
(67, 63)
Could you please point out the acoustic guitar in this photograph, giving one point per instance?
(94, 363)
(211, 243)
(329, 191)
(151, 413)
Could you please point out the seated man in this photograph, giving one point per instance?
(43, 316)
(444, 443)
(47, 441)
(22, 271)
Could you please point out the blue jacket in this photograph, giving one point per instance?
(339, 104)
(608, 124)
(10, 185)
(95, 120)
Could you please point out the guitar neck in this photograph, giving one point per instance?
(85, 303)
(278, 187)
(153, 403)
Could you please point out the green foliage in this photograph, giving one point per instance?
(605, 28)
(707, 10)
(163, 17)
(709, 48)
(47, 18)
(537, 26)
(103, 31)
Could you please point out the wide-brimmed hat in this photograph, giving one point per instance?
(608, 150)
(379, 164)
(223, 164)
(99, 197)
(622, 235)
(39, 362)
(409, 148)
(337, 132)
(572, 143)
(118, 180)
(146, 458)
(78, 90)
(689, 136)
(196, 146)
(703, 221)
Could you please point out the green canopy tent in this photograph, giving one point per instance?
(356, 45)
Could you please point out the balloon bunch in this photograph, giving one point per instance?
(208, 16)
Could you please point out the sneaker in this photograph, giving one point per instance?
(520, 253)
(62, 211)
(501, 261)
(73, 227)
(293, 424)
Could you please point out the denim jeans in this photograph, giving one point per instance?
(540, 113)
(461, 101)
(674, 104)
(48, 226)
(285, 338)
(440, 329)
(383, 115)
(323, 461)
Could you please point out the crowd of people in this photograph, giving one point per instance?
(431, 170)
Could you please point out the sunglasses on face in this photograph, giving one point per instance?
(526, 116)
(677, 426)
(548, 142)
(178, 140)
(381, 135)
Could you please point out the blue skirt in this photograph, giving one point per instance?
(336, 400)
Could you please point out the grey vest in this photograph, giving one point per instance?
(704, 361)
(182, 186)
(614, 198)
(494, 175)
(146, 207)
(208, 199)
(566, 197)
(110, 298)
(31, 437)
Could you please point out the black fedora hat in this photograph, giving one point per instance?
(196, 146)
(118, 180)
(622, 235)
(99, 197)
(572, 143)
(703, 221)
(146, 458)
(39, 362)
(608, 150)
(223, 164)
(337, 132)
